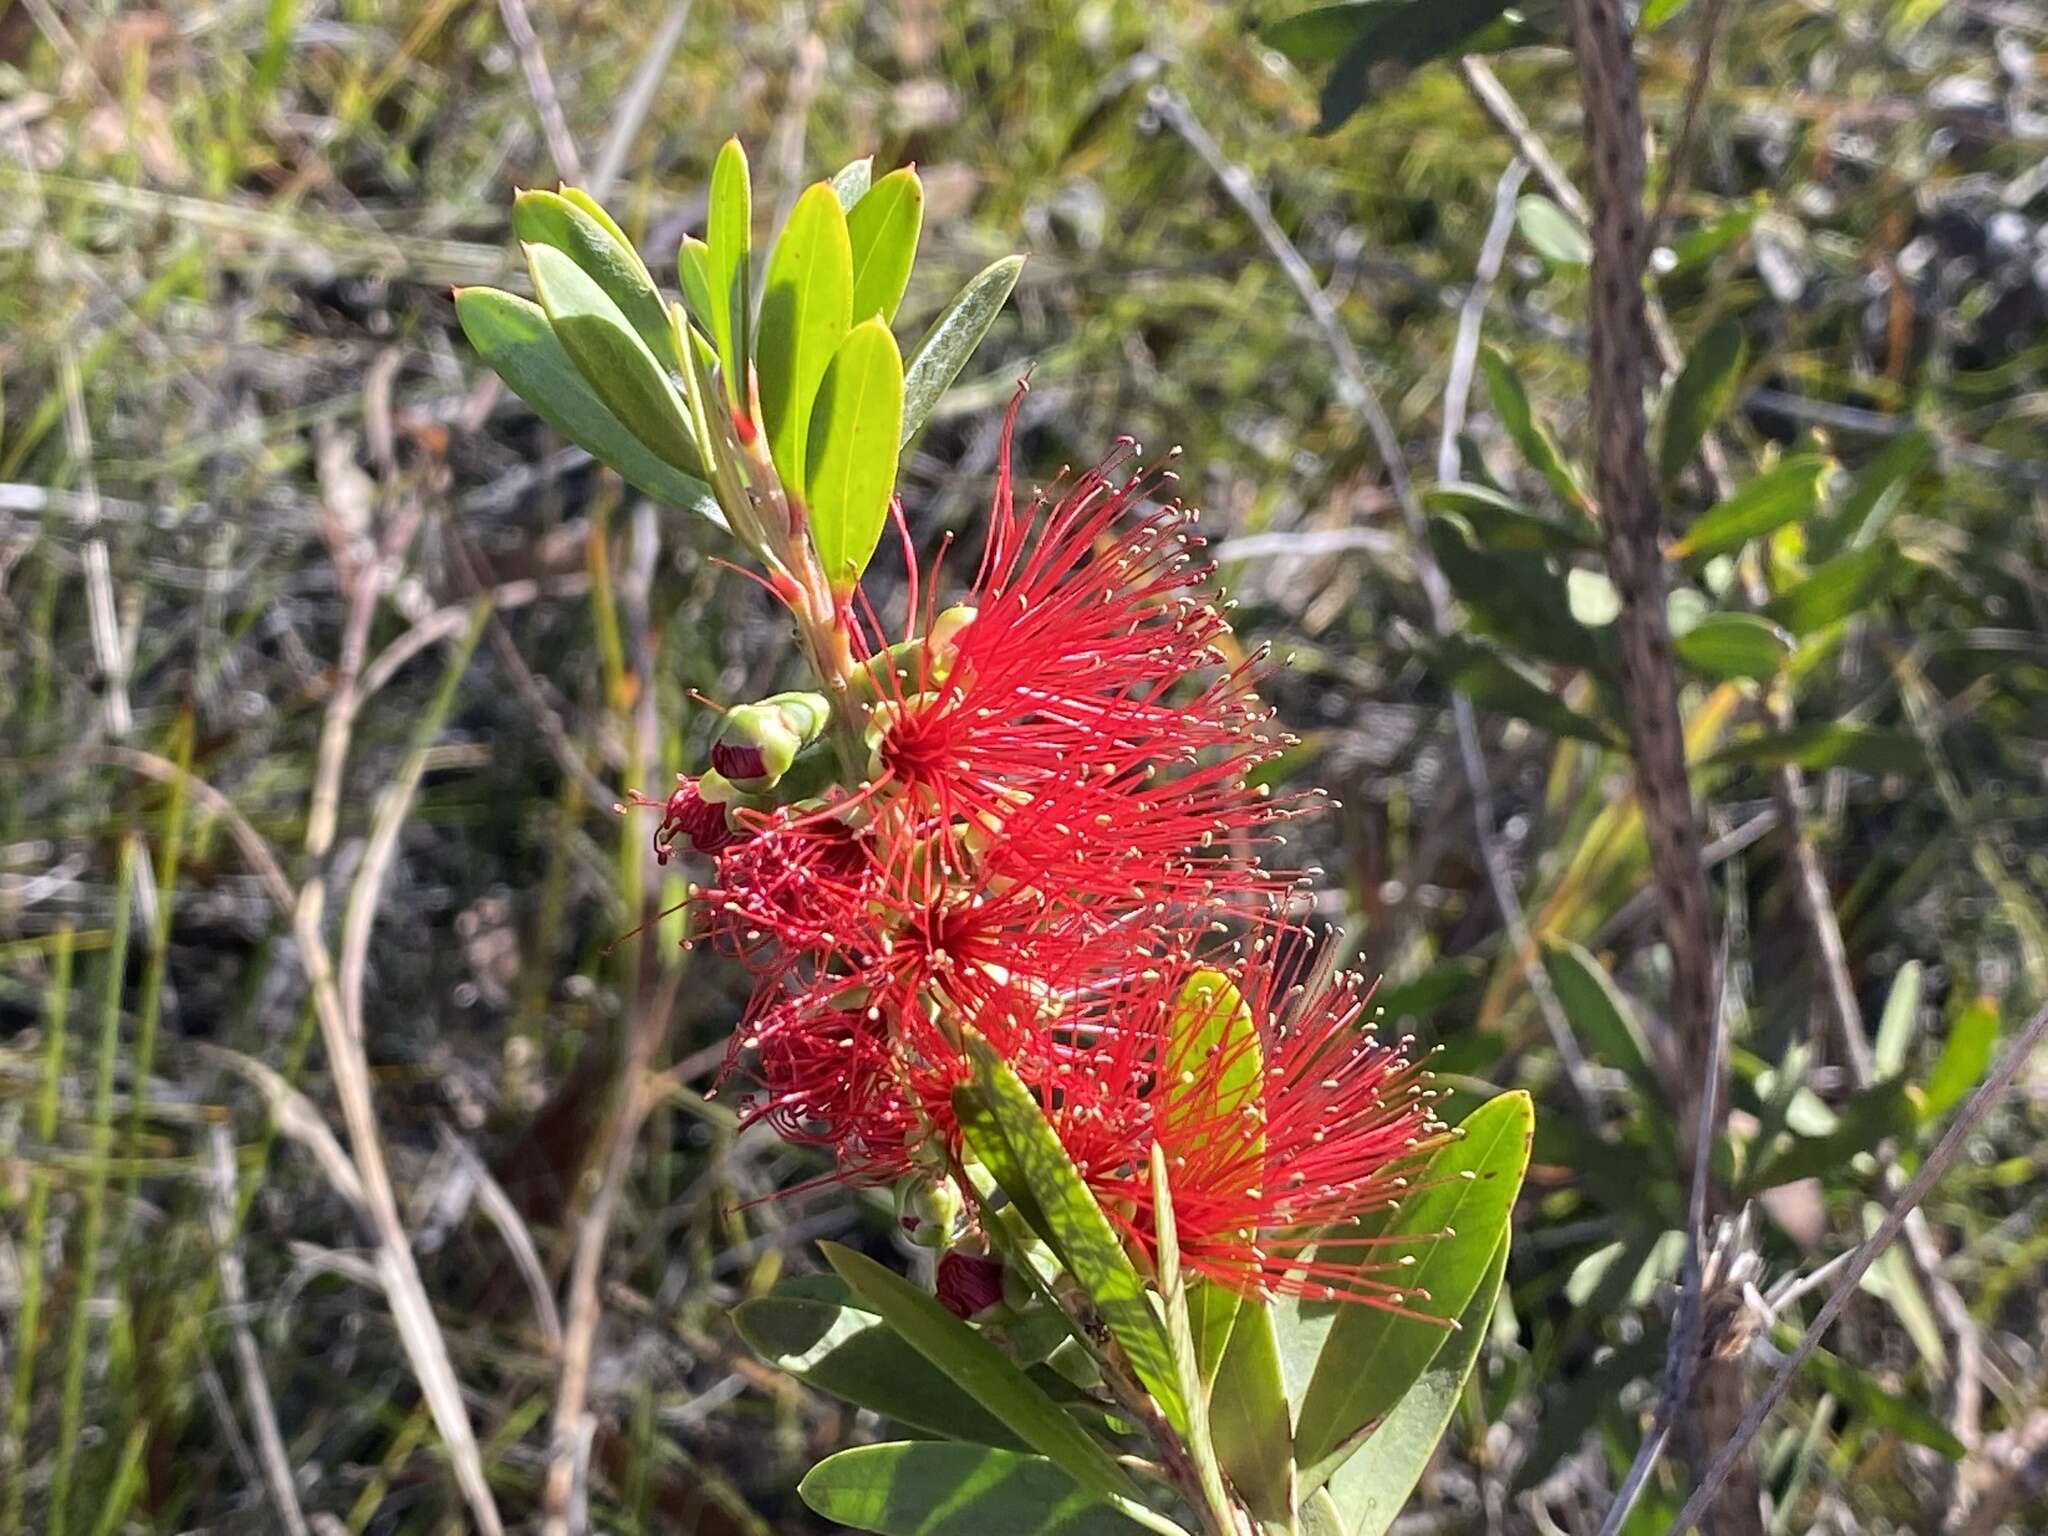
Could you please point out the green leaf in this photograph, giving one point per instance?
(612, 358)
(1320, 36)
(1880, 1404)
(1965, 1058)
(1873, 496)
(513, 337)
(1598, 1011)
(856, 429)
(1248, 1417)
(1370, 1489)
(1516, 599)
(1504, 526)
(952, 339)
(1409, 34)
(851, 181)
(1554, 234)
(882, 228)
(1210, 1021)
(1824, 744)
(931, 1488)
(1457, 1219)
(693, 276)
(979, 1369)
(855, 1355)
(1005, 1130)
(1495, 683)
(1698, 246)
(1212, 1314)
(806, 311)
(1320, 1515)
(729, 241)
(1726, 646)
(1839, 587)
(1899, 1021)
(1879, 1112)
(1783, 494)
(1700, 396)
(1657, 12)
(1538, 447)
(569, 222)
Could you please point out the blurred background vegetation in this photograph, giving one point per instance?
(233, 385)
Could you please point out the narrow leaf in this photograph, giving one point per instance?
(851, 181)
(952, 339)
(1873, 496)
(1320, 36)
(1370, 1489)
(693, 276)
(1212, 1314)
(806, 311)
(729, 238)
(1839, 587)
(979, 1369)
(856, 1356)
(931, 1488)
(1554, 234)
(1783, 494)
(1515, 599)
(1700, 395)
(882, 228)
(1539, 448)
(513, 337)
(1489, 679)
(612, 358)
(1823, 744)
(1033, 1168)
(1504, 526)
(1598, 1011)
(855, 433)
(1248, 1418)
(1899, 1022)
(1458, 1217)
(1965, 1058)
(1726, 646)
(574, 225)
(1408, 35)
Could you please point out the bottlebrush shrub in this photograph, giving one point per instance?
(1203, 1257)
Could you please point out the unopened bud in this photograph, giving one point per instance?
(968, 1284)
(757, 743)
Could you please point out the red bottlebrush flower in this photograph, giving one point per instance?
(968, 1284)
(1082, 698)
(689, 815)
(1279, 1136)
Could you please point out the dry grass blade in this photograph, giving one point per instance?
(277, 1470)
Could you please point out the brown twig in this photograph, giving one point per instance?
(1632, 533)
(1988, 1093)
(1679, 160)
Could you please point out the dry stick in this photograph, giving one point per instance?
(584, 1306)
(1680, 157)
(540, 85)
(1945, 1152)
(363, 584)
(277, 1467)
(1635, 561)
(639, 99)
(338, 1006)
(1356, 388)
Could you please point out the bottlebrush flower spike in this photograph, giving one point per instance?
(1285, 1120)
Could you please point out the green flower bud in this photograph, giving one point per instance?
(758, 743)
